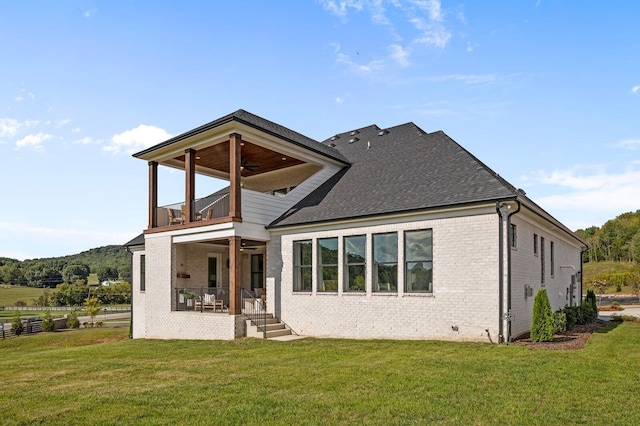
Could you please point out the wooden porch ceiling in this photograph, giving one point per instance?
(255, 159)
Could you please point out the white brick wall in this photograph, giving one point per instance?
(465, 287)
(526, 269)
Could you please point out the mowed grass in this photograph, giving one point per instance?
(10, 294)
(104, 378)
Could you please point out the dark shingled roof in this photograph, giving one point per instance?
(403, 169)
(259, 123)
(137, 241)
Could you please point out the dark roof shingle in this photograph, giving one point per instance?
(399, 169)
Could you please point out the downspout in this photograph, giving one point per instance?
(509, 275)
(500, 272)
(131, 294)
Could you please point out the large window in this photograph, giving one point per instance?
(535, 244)
(328, 265)
(385, 262)
(355, 254)
(418, 260)
(302, 261)
(143, 284)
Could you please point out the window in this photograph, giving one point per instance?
(257, 271)
(385, 262)
(552, 258)
(279, 192)
(328, 265)
(143, 284)
(302, 260)
(542, 260)
(418, 261)
(513, 236)
(535, 244)
(355, 254)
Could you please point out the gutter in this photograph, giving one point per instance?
(131, 294)
(509, 275)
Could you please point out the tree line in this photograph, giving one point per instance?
(617, 240)
(108, 263)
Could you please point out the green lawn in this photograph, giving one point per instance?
(10, 294)
(65, 378)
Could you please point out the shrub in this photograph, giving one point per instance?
(16, 324)
(571, 316)
(47, 322)
(543, 323)
(72, 320)
(615, 305)
(21, 303)
(560, 319)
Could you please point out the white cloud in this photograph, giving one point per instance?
(90, 13)
(131, 141)
(339, 100)
(341, 7)
(18, 98)
(9, 127)
(432, 33)
(589, 192)
(629, 144)
(87, 141)
(465, 78)
(33, 141)
(432, 7)
(635, 89)
(400, 55)
(63, 122)
(363, 68)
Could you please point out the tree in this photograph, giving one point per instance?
(106, 273)
(16, 324)
(72, 320)
(47, 322)
(543, 322)
(76, 272)
(92, 306)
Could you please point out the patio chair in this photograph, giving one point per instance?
(209, 301)
(172, 217)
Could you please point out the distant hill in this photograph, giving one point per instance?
(49, 271)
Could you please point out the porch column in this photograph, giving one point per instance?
(235, 209)
(190, 183)
(235, 268)
(153, 194)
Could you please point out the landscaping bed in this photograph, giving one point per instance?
(575, 339)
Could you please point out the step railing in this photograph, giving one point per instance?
(254, 309)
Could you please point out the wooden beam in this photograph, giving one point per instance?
(190, 183)
(153, 194)
(235, 209)
(235, 278)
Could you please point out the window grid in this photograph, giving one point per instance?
(302, 265)
(355, 254)
(385, 261)
(418, 246)
(328, 264)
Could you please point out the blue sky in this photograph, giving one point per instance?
(546, 93)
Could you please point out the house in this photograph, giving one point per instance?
(374, 233)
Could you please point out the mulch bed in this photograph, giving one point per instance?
(571, 340)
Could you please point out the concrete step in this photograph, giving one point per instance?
(277, 333)
(275, 326)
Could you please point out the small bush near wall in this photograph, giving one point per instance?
(560, 318)
(571, 316)
(543, 323)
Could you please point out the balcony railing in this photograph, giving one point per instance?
(207, 208)
(201, 299)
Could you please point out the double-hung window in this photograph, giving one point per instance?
(418, 260)
(302, 265)
(328, 264)
(355, 254)
(385, 262)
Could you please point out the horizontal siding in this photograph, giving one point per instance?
(261, 208)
